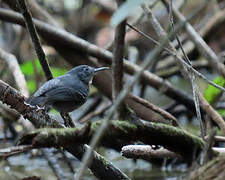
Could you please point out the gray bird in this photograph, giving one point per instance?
(67, 92)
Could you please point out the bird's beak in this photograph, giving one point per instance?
(101, 69)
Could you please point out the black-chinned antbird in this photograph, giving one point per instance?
(67, 92)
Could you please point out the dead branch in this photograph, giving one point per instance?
(146, 152)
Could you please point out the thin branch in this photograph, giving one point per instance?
(167, 71)
(21, 84)
(101, 109)
(161, 33)
(209, 25)
(117, 72)
(35, 39)
(133, 56)
(207, 152)
(158, 110)
(191, 75)
(40, 13)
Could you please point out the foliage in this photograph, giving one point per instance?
(212, 93)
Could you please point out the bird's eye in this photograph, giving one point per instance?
(86, 69)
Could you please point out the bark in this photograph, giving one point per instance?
(120, 133)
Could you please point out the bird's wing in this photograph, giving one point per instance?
(54, 83)
(64, 94)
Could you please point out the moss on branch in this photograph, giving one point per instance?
(119, 133)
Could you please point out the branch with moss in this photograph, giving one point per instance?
(119, 133)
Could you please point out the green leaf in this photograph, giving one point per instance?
(124, 11)
(212, 94)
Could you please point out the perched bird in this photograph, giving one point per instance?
(67, 92)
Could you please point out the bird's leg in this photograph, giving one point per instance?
(67, 120)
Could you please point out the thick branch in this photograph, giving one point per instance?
(117, 64)
(148, 153)
(119, 134)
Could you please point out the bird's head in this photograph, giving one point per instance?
(86, 73)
